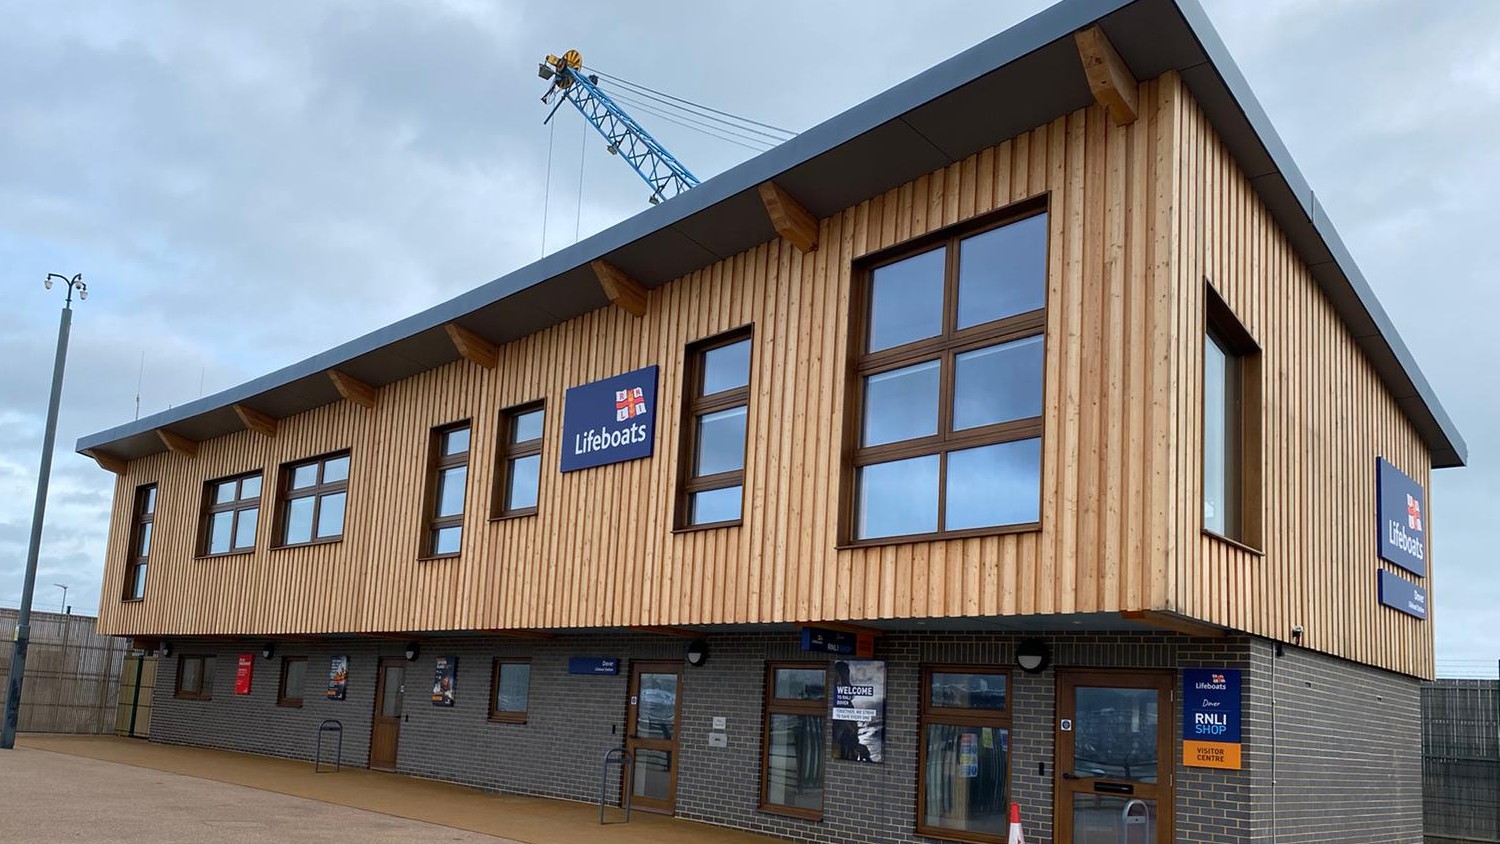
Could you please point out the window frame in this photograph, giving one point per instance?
(496, 714)
(282, 698)
(285, 495)
(945, 347)
(772, 705)
(238, 505)
(1242, 425)
(205, 691)
(436, 463)
(695, 404)
(139, 519)
(929, 715)
(507, 451)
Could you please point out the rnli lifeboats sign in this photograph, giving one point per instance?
(1402, 518)
(1211, 718)
(609, 421)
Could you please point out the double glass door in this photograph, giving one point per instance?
(651, 735)
(1114, 757)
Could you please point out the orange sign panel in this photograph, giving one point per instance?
(1211, 754)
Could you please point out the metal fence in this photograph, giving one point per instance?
(1461, 760)
(72, 673)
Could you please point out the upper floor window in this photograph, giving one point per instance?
(949, 386)
(447, 482)
(518, 462)
(143, 513)
(1231, 426)
(231, 512)
(717, 408)
(314, 495)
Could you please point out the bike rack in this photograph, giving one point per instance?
(616, 756)
(1129, 819)
(331, 725)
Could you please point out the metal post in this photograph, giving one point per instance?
(49, 439)
(135, 697)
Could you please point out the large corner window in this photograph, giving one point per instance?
(949, 386)
(963, 753)
(142, 516)
(1231, 426)
(447, 481)
(195, 677)
(231, 513)
(791, 770)
(717, 408)
(518, 462)
(314, 494)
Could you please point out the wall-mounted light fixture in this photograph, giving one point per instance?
(412, 649)
(165, 647)
(697, 653)
(268, 650)
(1033, 656)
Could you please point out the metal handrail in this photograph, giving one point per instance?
(331, 725)
(622, 757)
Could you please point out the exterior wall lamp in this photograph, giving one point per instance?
(412, 650)
(268, 650)
(697, 653)
(1033, 656)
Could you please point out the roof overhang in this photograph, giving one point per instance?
(1022, 78)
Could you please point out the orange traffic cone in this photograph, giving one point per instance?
(1016, 836)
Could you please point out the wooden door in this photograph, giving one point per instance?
(652, 719)
(385, 727)
(1114, 757)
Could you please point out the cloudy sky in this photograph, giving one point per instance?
(244, 185)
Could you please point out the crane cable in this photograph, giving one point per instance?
(546, 189)
(712, 131)
(733, 128)
(686, 102)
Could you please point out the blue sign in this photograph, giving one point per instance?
(1401, 594)
(1402, 518)
(1211, 705)
(609, 421)
(828, 641)
(593, 665)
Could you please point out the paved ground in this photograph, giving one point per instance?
(52, 797)
(103, 788)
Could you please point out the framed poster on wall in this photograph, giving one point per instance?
(443, 680)
(338, 677)
(859, 710)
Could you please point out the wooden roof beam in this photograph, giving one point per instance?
(254, 420)
(1175, 623)
(791, 220)
(177, 443)
(679, 632)
(117, 465)
(513, 633)
(623, 291)
(472, 347)
(353, 390)
(1112, 83)
(842, 627)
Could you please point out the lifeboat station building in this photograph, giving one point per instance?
(1024, 434)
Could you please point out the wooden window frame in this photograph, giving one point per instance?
(1243, 472)
(508, 450)
(436, 463)
(944, 348)
(695, 404)
(237, 506)
(282, 698)
(285, 495)
(772, 705)
(139, 519)
(507, 716)
(205, 690)
(929, 715)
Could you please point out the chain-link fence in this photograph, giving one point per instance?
(72, 673)
(1461, 760)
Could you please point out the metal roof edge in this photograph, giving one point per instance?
(1453, 451)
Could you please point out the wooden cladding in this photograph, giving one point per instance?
(1120, 526)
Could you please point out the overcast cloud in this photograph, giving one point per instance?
(244, 185)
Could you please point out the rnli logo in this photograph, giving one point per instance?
(1413, 513)
(629, 404)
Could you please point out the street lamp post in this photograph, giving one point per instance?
(64, 588)
(23, 623)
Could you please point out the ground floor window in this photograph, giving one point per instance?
(794, 739)
(195, 677)
(512, 688)
(964, 753)
(293, 673)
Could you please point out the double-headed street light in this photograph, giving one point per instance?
(49, 438)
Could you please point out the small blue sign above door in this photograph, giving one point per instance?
(1400, 594)
(828, 641)
(608, 665)
(609, 421)
(1402, 518)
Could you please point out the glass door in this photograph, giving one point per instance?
(651, 735)
(1114, 757)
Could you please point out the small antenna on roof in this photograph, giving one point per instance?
(141, 376)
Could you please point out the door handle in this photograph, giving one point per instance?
(1069, 775)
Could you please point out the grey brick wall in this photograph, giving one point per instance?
(1348, 765)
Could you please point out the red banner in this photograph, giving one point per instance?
(242, 672)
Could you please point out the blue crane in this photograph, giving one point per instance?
(646, 156)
